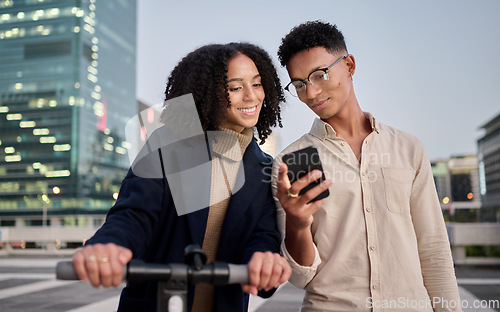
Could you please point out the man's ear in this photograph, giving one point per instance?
(351, 64)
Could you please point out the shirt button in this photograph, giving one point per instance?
(375, 286)
(342, 143)
(364, 174)
(368, 209)
(372, 248)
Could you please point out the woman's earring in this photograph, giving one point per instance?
(228, 105)
(350, 75)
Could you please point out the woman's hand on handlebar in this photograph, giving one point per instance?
(266, 271)
(101, 264)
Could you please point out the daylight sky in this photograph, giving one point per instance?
(430, 68)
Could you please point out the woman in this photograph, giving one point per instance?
(235, 88)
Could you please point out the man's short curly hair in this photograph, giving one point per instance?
(203, 73)
(309, 35)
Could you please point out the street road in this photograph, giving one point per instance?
(29, 284)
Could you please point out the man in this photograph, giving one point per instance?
(378, 242)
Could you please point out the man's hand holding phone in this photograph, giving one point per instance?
(299, 208)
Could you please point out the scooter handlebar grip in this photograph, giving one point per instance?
(66, 271)
(238, 274)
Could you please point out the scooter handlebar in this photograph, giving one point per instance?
(215, 273)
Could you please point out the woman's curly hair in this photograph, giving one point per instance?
(310, 35)
(203, 73)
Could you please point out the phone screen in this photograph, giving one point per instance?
(302, 162)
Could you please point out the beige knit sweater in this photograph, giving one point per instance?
(228, 148)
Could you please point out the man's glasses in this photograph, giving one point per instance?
(317, 78)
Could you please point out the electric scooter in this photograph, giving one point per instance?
(174, 279)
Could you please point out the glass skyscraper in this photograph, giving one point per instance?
(67, 88)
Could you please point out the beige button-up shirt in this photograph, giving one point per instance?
(380, 238)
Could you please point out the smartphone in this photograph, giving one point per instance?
(302, 162)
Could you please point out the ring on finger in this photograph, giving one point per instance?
(290, 195)
(104, 260)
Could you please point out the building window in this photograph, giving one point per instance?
(50, 49)
(7, 223)
(461, 187)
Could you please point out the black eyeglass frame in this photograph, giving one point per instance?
(287, 88)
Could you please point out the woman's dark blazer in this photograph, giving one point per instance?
(144, 219)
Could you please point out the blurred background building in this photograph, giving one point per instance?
(67, 88)
(468, 186)
(489, 169)
(457, 184)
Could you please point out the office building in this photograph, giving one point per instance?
(457, 184)
(489, 170)
(67, 89)
(441, 178)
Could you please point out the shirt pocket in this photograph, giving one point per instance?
(398, 183)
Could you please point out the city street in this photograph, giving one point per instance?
(28, 284)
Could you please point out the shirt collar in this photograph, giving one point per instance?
(324, 130)
(373, 123)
